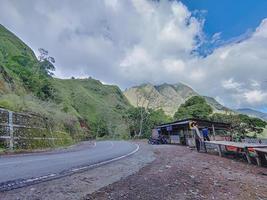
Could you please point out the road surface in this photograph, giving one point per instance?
(21, 170)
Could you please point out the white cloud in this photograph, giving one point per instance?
(255, 96)
(230, 84)
(133, 41)
(114, 4)
(255, 84)
(173, 66)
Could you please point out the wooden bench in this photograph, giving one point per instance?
(243, 147)
(258, 152)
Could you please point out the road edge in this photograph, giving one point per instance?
(11, 185)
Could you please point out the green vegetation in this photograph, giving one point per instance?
(20, 68)
(168, 97)
(84, 108)
(32, 141)
(195, 107)
(78, 109)
(99, 107)
(141, 121)
(242, 125)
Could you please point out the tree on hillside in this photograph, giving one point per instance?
(35, 75)
(195, 107)
(144, 100)
(241, 124)
(46, 62)
(153, 118)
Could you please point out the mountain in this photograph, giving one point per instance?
(166, 96)
(85, 107)
(252, 113)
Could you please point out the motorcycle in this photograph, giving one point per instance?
(159, 140)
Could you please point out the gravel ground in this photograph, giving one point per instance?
(180, 173)
(157, 172)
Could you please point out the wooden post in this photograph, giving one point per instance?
(11, 130)
(205, 148)
(219, 150)
(247, 155)
(258, 159)
(213, 132)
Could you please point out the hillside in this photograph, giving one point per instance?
(253, 113)
(81, 107)
(166, 96)
(12, 49)
(100, 106)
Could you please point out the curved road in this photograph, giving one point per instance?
(20, 170)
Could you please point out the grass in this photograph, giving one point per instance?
(92, 101)
(261, 135)
(11, 45)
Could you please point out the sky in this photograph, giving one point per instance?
(216, 47)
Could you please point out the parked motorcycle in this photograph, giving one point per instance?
(159, 140)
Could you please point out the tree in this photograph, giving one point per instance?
(145, 97)
(241, 124)
(153, 118)
(195, 107)
(46, 62)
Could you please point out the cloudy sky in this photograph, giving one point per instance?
(219, 49)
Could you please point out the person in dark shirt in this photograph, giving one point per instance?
(205, 133)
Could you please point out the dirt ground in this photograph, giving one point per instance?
(180, 173)
(156, 172)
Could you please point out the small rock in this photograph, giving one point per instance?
(231, 179)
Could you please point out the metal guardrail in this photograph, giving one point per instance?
(255, 140)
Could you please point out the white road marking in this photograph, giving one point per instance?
(107, 161)
(74, 170)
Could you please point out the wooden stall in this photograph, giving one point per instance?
(182, 131)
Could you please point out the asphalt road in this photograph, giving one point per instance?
(24, 169)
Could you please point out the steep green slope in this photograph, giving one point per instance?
(100, 106)
(11, 46)
(81, 107)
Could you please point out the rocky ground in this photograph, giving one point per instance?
(157, 172)
(180, 173)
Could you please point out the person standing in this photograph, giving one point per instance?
(205, 133)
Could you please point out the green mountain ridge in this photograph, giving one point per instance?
(167, 97)
(253, 113)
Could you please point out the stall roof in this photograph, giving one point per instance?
(217, 125)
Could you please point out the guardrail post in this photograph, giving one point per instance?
(11, 130)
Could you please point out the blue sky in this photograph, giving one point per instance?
(234, 19)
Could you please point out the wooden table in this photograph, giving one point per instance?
(258, 152)
(239, 145)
